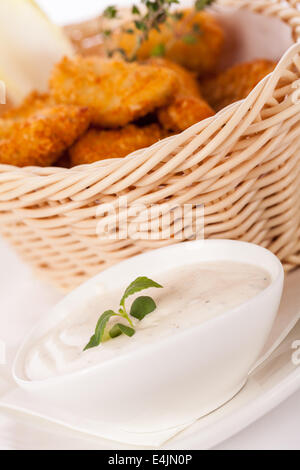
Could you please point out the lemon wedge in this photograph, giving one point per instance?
(30, 44)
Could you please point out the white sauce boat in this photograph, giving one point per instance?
(181, 377)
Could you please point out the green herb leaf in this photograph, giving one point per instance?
(202, 4)
(119, 329)
(161, 18)
(197, 29)
(141, 283)
(135, 10)
(177, 16)
(140, 25)
(189, 39)
(110, 12)
(126, 330)
(121, 51)
(92, 343)
(107, 32)
(151, 17)
(159, 50)
(96, 339)
(152, 5)
(142, 306)
(115, 331)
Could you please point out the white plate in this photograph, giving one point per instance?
(152, 414)
(272, 383)
(268, 386)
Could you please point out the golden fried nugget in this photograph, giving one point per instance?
(188, 83)
(5, 127)
(4, 108)
(235, 83)
(183, 113)
(114, 143)
(42, 138)
(34, 102)
(188, 107)
(116, 92)
(195, 41)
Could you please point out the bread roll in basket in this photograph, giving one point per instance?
(241, 166)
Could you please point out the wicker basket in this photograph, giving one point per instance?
(243, 165)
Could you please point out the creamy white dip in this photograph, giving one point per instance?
(191, 295)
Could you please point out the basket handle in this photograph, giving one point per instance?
(287, 13)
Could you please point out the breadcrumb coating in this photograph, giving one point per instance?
(188, 107)
(184, 112)
(43, 137)
(235, 83)
(116, 92)
(34, 102)
(113, 143)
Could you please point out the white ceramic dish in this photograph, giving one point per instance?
(206, 365)
(269, 385)
(273, 382)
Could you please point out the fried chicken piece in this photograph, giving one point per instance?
(4, 108)
(43, 137)
(188, 107)
(188, 83)
(195, 41)
(184, 113)
(114, 143)
(5, 127)
(116, 92)
(235, 83)
(34, 102)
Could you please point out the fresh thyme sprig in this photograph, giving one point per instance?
(141, 307)
(152, 15)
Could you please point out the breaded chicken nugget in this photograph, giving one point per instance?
(34, 102)
(5, 127)
(116, 92)
(235, 83)
(188, 83)
(4, 108)
(43, 137)
(188, 107)
(183, 113)
(195, 41)
(114, 143)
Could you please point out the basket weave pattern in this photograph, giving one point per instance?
(243, 164)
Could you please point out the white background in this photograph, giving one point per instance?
(68, 11)
(280, 429)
